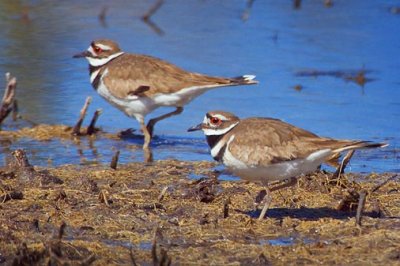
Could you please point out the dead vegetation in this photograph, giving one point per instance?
(143, 214)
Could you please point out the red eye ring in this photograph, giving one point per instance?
(97, 49)
(215, 120)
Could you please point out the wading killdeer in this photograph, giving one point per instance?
(138, 84)
(267, 149)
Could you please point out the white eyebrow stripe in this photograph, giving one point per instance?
(101, 61)
(213, 131)
(223, 118)
(103, 46)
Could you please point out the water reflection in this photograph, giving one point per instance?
(276, 42)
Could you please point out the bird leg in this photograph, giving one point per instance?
(148, 155)
(147, 135)
(153, 121)
(268, 200)
(290, 182)
(343, 164)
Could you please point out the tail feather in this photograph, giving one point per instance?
(360, 145)
(245, 79)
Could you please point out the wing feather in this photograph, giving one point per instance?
(129, 72)
(274, 141)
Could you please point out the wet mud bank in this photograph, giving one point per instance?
(157, 213)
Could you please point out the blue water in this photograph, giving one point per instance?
(277, 43)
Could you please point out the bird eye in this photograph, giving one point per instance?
(97, 49)
(215, 120)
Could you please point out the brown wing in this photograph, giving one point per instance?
(130, 72)
(266, 141)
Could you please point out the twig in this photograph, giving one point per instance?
(164, 259)
(22, 160)
(15, 110)
(61, 231)
(161, 196)
(103, 197)
(361, 205)
(114, 160)
(153, 9)
(77, 127)
(154, 249)
(146, 17)
(246, 12)
(375, 188)
(91, 128)
(154, 26)
(8, 98)
(226, 208)
(102, 16)
(297, 4)
(133, 261)
(150, 206)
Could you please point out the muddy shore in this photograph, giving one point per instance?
(157, 213)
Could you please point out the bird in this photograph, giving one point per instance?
(265, 150)
(138, 84)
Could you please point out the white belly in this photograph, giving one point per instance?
(137, 107)
(277, 171)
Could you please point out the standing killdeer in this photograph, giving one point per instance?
(138, 84)
(267, 149)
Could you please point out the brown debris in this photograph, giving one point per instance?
(114, 160)
(359, 76)
(160, 258)
(77, 128)
(296, 4)
(102, 16)
(246, 12)
(303, 225)
(146, 18)
(361, 205)
(12, 195)
(91, 129)
(25, 172)
(8, 98)
(328, 3)
(15, 110)
(206, 190)
(298, 87)
(225, 210)
(103, 197)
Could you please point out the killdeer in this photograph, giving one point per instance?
(267, 149)
(138, 84)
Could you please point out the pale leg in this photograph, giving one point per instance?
(343, 164)
(291, 182)
(268, 200)
(153, 121)
(147, 135)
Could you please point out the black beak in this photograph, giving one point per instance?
(195, 128)
(83, 54)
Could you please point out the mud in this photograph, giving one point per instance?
(158, 214)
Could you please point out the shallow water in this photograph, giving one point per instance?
(278, 43)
